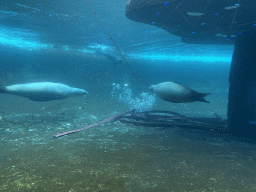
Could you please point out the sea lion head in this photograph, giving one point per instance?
(77, 91)
(152, 88)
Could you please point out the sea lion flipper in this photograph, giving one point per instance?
(201, 97)
(203, 100)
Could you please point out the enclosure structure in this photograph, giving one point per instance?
(214, 22)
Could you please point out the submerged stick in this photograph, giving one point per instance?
(93, 125)
(96, 15)
(122, 56)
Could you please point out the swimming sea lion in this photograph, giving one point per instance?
(43, 91)
(176, 93)
(114, 58)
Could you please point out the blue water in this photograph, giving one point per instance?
(58, 41)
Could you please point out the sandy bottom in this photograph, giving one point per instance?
(115, 157)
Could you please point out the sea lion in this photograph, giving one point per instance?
(114, 58)
(43, 91)
(176, 93)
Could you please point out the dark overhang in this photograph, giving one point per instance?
(196, 21)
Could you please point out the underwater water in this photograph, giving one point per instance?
(66, 43)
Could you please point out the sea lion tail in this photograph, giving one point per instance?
(2, 90)
(201, 97)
